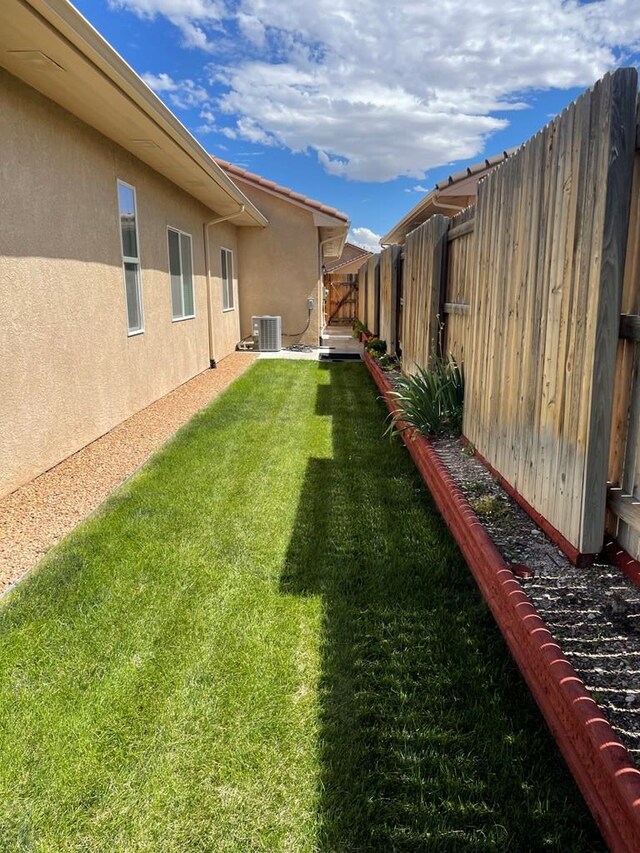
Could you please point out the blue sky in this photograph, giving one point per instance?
(365, 105)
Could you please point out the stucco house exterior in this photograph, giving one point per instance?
(123, 244)
(275, 279)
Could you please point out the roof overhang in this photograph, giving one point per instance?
(333, 234)
(332, 229)
(51, 47)
(351, 266)
(447, 197)
(426, 208)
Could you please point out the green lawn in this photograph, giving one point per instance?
(268, 641)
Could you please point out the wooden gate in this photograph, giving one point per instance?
(342, 299)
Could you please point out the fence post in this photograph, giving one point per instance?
(620, 148)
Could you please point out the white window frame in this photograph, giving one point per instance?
(229, 290)
(130, 260)
(182, 316)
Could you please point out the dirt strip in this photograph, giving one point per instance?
(38, 514)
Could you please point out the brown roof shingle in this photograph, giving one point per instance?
(285, 192)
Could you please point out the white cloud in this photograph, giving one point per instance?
(182, 93)
(418, 189)
(252, 28)
(250, 130)
(383, 90)
(366, 238)
(192, 17)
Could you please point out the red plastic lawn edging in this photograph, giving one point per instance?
(602, 767)
(624, 561)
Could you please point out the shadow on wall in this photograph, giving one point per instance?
(429, 739)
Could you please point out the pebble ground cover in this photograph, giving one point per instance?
(268, 641)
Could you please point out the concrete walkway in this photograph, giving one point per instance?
(334, 341)
(340, 339)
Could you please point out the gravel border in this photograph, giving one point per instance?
(593, 613)
(37, 515)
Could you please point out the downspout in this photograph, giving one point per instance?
(205, 230)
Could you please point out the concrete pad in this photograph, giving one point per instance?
(294, 355)
(335, 341)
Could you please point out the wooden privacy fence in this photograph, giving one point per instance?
(459, 281)
(423, 273)
(623, 521)
(372, 294)
(362, 294)
(551, 233)
(389, 295)
(529, 286)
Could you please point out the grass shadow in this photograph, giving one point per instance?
(429, 739)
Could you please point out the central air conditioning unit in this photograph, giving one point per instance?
(268, 332)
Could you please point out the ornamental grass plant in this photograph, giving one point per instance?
(430, 401)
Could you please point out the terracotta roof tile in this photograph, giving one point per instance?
(475, 168)
(259, 181)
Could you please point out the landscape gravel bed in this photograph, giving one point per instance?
(38, 514)
(594, 613)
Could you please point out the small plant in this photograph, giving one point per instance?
(490, 506)
(475, 488)
(376, 347)
(388, 361)
(430, 401)
(360, 329)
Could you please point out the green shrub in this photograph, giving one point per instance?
(430, 401)
(360, 328)
(376, 347)
(387, 361)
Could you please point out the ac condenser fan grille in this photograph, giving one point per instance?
(268, 331)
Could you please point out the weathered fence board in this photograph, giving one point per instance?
(550, 234)
(362, 294)
(461, 260)
(423, 292)
(342, 298)
(388, 295)
(373, 294)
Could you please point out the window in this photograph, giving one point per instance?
(226, 263)
(181, 274)
(130, 257)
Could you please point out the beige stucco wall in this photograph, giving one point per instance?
(225, 324)
(68, 370)
(279, 268)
